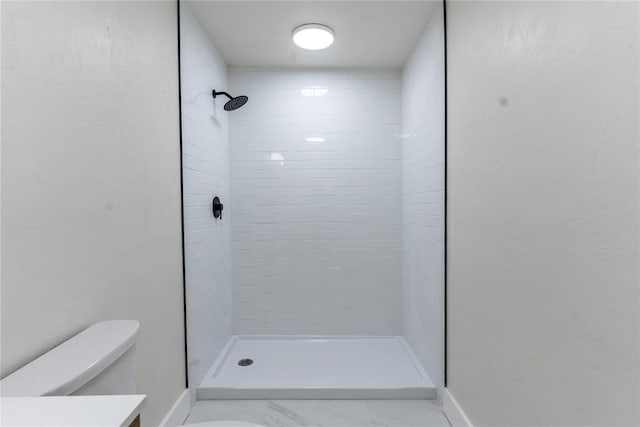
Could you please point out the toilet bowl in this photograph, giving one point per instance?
(98, 361)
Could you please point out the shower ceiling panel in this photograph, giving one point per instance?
(367, 34)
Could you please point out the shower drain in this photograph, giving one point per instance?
(245, 362)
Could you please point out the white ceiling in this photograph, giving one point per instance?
(368, 33)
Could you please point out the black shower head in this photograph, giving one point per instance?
(233, 103)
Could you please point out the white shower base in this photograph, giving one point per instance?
(317, 367)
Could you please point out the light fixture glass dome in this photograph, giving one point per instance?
(313, 36)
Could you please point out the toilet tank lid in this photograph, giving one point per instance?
(73, 363)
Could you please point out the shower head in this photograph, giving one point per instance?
(234, 102)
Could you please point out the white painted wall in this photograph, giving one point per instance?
(91, 182)
(423, 198)
(205, 146)
(544, 319)
(316, 229)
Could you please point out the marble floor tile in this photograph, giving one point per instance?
(406, 413)
(237, 410)
(325, 413)
(322, 413)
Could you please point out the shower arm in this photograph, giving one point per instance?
(214, 93)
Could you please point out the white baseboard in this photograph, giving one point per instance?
(453, 411)
(180, 409)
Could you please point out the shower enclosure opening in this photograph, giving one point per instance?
(324, 278)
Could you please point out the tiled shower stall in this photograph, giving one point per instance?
(332, 181)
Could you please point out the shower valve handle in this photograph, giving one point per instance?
(217, 207)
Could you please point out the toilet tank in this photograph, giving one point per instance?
(98, 360)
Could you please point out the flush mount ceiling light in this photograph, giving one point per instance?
(313, 36)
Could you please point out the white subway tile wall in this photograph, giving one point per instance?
(316, 202)
(205, 148)
(423, 198)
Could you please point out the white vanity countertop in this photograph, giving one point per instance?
(70, 411)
